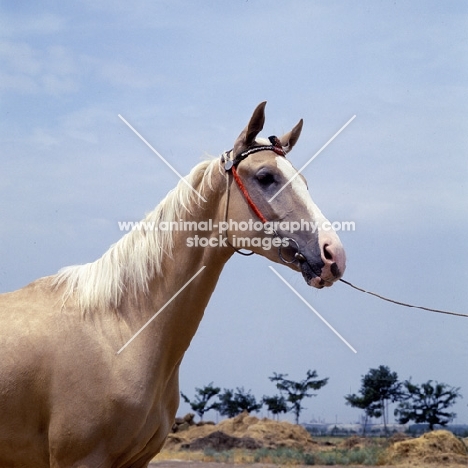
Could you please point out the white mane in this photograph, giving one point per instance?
(129, 265)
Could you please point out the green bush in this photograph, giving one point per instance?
(219, 457)
(369, 455)
(284, 455)
(354, 456)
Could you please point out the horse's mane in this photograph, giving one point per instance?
(132, 262)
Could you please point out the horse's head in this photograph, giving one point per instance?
(294, 229)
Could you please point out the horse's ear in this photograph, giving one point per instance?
(247, 137)
(288, 140)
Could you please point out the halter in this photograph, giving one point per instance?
(230, 165)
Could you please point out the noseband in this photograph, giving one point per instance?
(230, 166)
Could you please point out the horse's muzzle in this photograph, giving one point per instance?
(332, 265)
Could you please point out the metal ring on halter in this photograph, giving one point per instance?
(297, 256)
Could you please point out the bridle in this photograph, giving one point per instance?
(230, 167)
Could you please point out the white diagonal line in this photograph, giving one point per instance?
(312, 158)
(161, 309)
(168, 164)
(312, 309)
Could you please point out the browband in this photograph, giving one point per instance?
(275, 146)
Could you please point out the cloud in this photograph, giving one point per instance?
(119, 73)
(86, 124)
(18, 83)
(33, 70)
(31, 24)
(58, 70)
(41, 137)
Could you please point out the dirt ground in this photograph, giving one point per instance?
(189, 464)
(195, 464)
(198, 445)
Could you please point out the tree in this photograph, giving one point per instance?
(426, 403)
(233, 403)
(202, 397)
(276, 404)
(378, 387)
(226, 404)
(296, 391)
(361, 402)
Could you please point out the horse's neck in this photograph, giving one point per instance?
(179, 295)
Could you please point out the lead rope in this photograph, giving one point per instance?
(255, 209)
(403, 303)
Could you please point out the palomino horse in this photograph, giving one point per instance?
(75, 391)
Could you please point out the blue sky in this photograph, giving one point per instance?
(188, 75)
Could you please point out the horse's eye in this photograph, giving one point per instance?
(265, 178)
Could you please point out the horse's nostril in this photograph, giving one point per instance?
(327, 254)
(335, 271)
(333, 257)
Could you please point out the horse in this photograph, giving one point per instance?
(90, 356)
